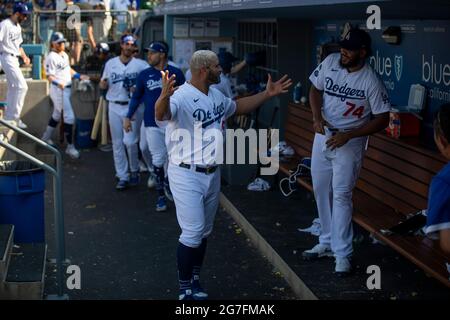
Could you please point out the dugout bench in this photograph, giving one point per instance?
(393, 183)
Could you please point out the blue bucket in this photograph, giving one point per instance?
(83, 134)
(22, 186)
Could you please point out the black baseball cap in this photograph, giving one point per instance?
(356, 39)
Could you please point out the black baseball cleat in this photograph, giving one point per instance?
(122, 185)
(186, 295)
(198, 293)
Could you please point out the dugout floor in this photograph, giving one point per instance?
(277, 219)
(126, 250)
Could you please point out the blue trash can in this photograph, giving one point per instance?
(22, 186)
(83, 134)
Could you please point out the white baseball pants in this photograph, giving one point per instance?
(61, 101)
(17, 86)
(196, 197)
(334, 176)
(116, 115)
(156, 145)
(136, 135)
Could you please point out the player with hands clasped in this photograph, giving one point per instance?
(195, 180)
(349, 103)
(60, 74)
(119, 77)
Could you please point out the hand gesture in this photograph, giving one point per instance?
(84, 77)
(276, 88)
(61, 85)
(318, 125)
(26, 61)
(168, 84)
(338, 140)
(127, 125)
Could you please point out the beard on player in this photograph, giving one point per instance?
(213, 78)
(350, 59)
(154, 60)
(21, 18)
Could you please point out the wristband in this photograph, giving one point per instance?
(77, 75)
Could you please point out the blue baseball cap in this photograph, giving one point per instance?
(20, 7)
(157, 47)
(57, 37)
(127, 38)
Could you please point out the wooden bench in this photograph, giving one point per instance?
(393, 183)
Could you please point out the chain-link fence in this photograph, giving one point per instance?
(96, 25)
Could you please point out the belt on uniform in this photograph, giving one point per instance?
(10, 54)
(122, 103)
(338, 130)
(69, 86)
(205, 170)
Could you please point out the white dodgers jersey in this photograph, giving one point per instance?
(349, 98)
(122, 77)
(58, 65)
(10, 37)
(200, 119)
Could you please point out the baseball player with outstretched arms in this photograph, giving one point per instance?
(148, 89)
(119, 77)
(10, 51)
(349, 103)
(195, 181)
(60, 74)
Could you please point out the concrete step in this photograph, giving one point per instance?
(6, 244)
(26, 273)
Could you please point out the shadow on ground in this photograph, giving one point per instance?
(126, 250)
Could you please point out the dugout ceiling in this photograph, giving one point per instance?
(311, 10)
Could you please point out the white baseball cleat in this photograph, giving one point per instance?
(151, 182)
(343, 266)
(318, 251)
(72, 152)
(21, 124)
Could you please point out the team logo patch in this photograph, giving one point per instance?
(398, 67)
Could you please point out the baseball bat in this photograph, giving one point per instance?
(104, 123)
(97, 120)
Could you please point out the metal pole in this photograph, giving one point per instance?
(57, 196)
